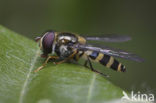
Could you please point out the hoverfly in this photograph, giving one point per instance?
(70, 46)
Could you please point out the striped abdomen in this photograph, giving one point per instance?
(106, 60)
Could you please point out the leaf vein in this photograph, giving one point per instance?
(23, 90)
(91, 88)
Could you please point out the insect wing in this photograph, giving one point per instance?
(109, 38)
(111, 51)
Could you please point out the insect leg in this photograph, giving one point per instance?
(91, 67)
(50, 57)
(68, 58)
(85, 64)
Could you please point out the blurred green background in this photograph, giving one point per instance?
(136, 18)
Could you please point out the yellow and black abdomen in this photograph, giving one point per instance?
(106, 60)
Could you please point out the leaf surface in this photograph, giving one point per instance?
(64, 83)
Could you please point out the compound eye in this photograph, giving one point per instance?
(47, 42)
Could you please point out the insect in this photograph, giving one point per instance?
(70, 46)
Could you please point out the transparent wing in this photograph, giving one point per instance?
(111, 51)
(109, 38)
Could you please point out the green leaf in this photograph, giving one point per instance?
(64, 83)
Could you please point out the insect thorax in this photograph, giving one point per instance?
(66, 38)
(63, 51)
(62, 47)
